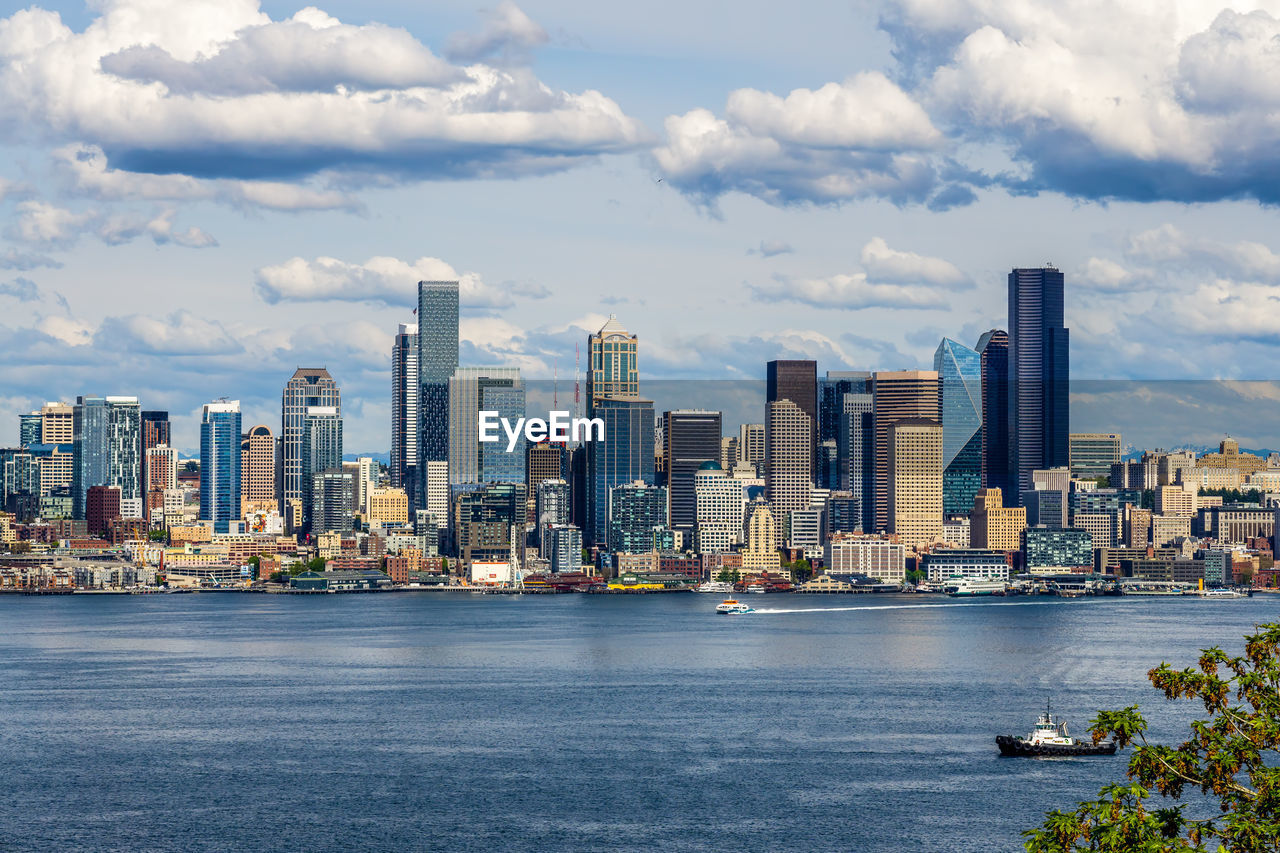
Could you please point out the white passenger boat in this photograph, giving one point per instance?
(722, 587)
(733, 607)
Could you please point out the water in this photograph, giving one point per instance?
(437, 721)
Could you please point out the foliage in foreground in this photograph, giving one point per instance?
(1230, 758)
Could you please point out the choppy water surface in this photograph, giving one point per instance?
(424, 721)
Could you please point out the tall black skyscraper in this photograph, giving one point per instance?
(993, 348)
(1038, 374)
(797, 381)
(689, 439)
(437, 359)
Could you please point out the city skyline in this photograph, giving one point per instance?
(108, 245)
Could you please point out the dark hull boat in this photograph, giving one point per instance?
(1016, 746)
(1050, 739)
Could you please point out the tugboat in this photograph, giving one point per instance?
(733, 607)
(1050, 738)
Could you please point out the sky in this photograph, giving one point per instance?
(199, 196)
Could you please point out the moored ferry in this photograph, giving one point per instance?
(973, 586)
(722, 587)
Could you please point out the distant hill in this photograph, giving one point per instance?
(1133, 454)
(384, 457)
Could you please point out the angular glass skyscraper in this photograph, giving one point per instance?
(1039, 419)
(220, 464)
(855, 455)
(960, 388)
(437, 359)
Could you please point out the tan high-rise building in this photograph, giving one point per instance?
(897, 395)
(762, 540)
(57, 423)
(1176, 500)
(258, 471)
(751, 444)
(388, 506)
(994, 525)
(915, 481)
(1137, 526)
(788, 441)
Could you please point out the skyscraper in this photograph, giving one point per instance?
(624, 456)
(553, 507)
(855, 455)
(57, 423)
(797, 381)
(960, 389)
(404, 407)
(29, 429)
(220, 464)
(471, 391)
(1093, 453)
(638, 521)
(258, 470)
(155, 431)
(321, 451)
(308, 387)
(437, 359)
(690, 437)
(993, 349)
(831, 391)
(897, 395)
(1038, 374)
(751, 444)
(162, 474)
(788, 437)
(107, 439)
(544, 460)
(611, 364)
(915, 480)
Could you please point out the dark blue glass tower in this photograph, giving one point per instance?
(220, 464)
(960, 386)
(1038, 374)
(624, 456)
(993, 347)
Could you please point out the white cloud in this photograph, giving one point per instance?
(40, 222)
(380, 279)
(45, 224)
(771, 248)
(890, 265)
(863, 138)
(508, 34)
(180, 334)
(890, 279)
(68, 330)
(848, 292)
(214, 89)
(1168, 99)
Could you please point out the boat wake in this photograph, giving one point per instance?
(902, 606)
